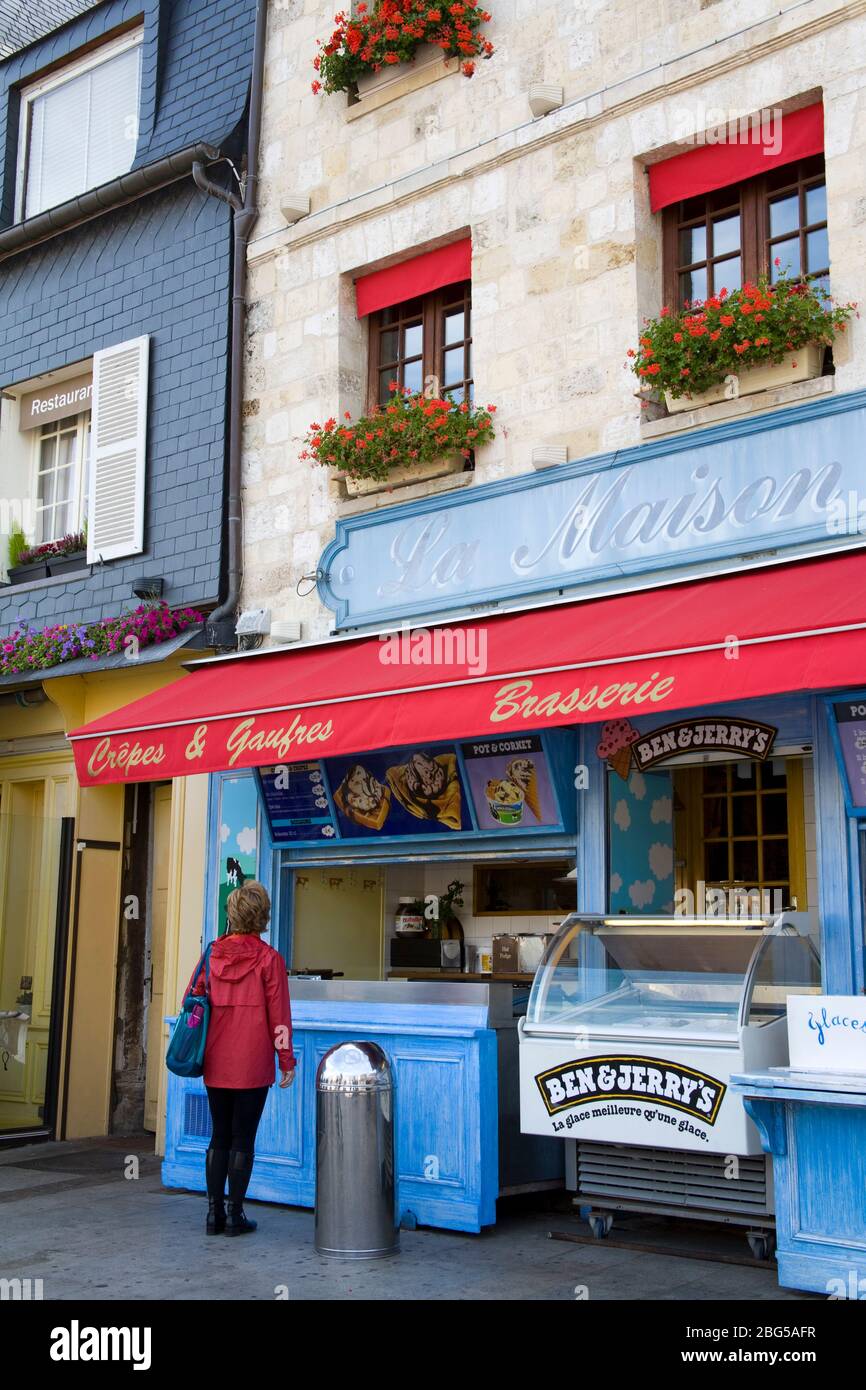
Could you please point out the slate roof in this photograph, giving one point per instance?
(22, 21)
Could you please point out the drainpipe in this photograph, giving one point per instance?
(221, 623)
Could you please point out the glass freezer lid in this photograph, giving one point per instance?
(671, 977)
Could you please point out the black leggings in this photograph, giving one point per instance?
(235, 1116)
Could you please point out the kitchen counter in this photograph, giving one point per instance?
(458, 976)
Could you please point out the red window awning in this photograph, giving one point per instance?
(755, 149)
(447, 265)
(797, 627)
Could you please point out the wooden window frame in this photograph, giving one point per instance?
(689, 838)
(756, 244)
(433, 347)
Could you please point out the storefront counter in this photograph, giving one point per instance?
(814, 1126)
(453, 1052)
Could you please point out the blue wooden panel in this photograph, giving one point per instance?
(446, 1136)
(818, 1141)
(829, 1143)
(839, 891)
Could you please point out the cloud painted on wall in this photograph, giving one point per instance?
(615, 882)
(661, 811)
(642, 894)
(622, 815)
(661, 860)
(225, 831)
(246, 840)
(637, 786)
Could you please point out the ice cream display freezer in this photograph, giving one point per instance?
(633, 1029)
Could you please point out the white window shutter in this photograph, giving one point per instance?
(115, 512)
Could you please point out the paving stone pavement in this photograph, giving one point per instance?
(70, 1217)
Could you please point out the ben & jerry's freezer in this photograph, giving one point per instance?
(633, 1029)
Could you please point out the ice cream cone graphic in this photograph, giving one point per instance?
(621, 763)
(522, 771)
(617, 737)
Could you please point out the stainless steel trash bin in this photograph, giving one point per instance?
(355, 1214)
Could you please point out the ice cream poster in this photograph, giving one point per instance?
(510, 783)
(851, 732)
(403, 791)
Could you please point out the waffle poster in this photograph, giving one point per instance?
(509, 780)
(415, 790)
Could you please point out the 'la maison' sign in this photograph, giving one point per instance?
(827, 1032)
(749, 490)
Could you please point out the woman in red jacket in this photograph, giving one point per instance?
(250, 1020)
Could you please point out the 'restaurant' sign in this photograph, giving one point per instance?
(745, 737)
(56, 402)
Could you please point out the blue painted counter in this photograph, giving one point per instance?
(814, 1126)
(443, 1041)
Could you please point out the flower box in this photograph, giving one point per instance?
(23, 574)
(802, 365)
(68, 564)
(369, 82)
(405, 475)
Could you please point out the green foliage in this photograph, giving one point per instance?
(390, 31)
(17, 545)
(691, 351)
(410, 429)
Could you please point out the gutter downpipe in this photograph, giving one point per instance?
(221, 623)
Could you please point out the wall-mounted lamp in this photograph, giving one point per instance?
(544, 98)
(295, 206)
(148, 586)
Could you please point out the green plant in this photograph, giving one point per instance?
(390, 32)
(17, 545)
(697, 348)
(411, 429)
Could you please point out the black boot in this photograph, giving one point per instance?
(216, 1166)
(240, 1168)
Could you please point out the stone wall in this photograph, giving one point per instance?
(566, 253)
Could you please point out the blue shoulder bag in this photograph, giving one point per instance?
(185, 1055)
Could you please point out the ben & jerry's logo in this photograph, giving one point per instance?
(631, 1078)
(745, 737)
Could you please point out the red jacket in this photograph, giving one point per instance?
(249, 996)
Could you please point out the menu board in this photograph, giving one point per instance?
(850, 717)
(404, 791)
(296, 800)
(509, 781)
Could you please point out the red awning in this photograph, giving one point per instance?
(797, 627)
(447, 265)
(760, 146)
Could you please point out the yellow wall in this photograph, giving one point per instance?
(35, 792)
(185, 909)
(339, 923)
(72, 701)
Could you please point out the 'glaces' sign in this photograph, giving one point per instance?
(778, 482)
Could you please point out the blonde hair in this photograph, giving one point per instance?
(248, 909)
